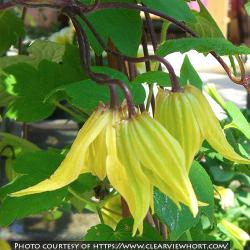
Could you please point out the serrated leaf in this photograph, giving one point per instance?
(205, 26)
(188, 74)
(87, 94)
(123, 232)
(180, 221)
(180, 11)
(32, 168)
(202, 45)
(11, 29)
(100, 232)
(113, 24)
(31, 85)
(238, 119)
(39, 50)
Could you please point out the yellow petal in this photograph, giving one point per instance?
(4, 245)
(97, 156)
(174, 112)
(126, 176)
(163, 160)
(72, 165)
(235, 231)
(210, 126)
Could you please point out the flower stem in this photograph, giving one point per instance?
(164, 231)
(173, 77)
(67, 110)
(114, 101)
(87, 201)
(243, 81)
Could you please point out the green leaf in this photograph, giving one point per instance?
(85, 183)
(202, 45)
(87, 94)
(151, 77)
(11, 29)
(123, 232)
(31, 85)
(247, 6)
(243, 179)
(19, 144)
(188, 74)
(205, 26)
(45, 164)
(196, 233)
(39, 50)
(29, 205)
(220, 175)
(180, 221)
(238, 119)
(5, 98)
(100, 232)
(180, 11)
(113, 24)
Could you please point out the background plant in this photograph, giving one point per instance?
(48, 75)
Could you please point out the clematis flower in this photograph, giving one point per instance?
(81, 157)
(189, 118)
(135, 154)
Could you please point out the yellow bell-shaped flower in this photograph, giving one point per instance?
(135, 154)
(146, 156)
(87, 154)
(189, 118)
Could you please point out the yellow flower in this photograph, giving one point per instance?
(80, 157)
(4, 245)
(147, 155)
(134, 153)
(235, 231)
(189, 118)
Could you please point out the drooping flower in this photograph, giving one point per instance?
(82, 157)
(146, 156)
(135, 154)
(189, 118)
